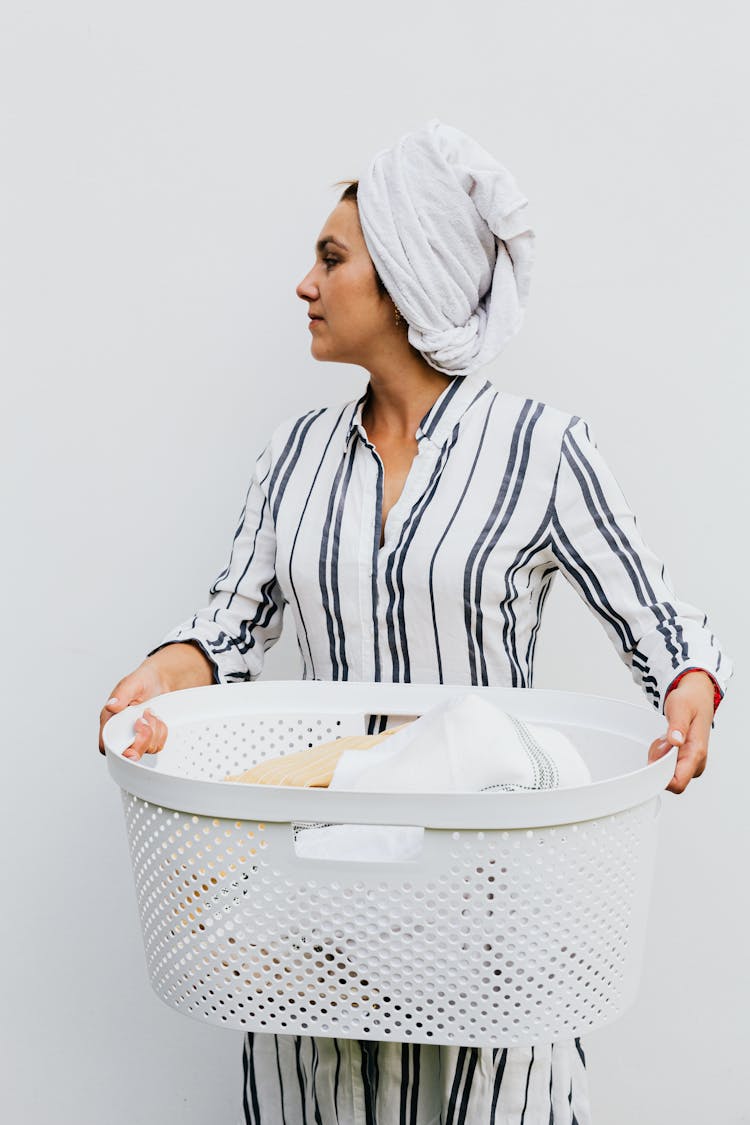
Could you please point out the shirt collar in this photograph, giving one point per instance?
(439, 421)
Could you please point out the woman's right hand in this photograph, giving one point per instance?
(171, 668)
(150, 732)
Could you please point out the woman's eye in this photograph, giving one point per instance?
(333, 261)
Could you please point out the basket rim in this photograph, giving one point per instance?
(454, 811)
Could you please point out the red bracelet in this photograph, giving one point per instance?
(717, 690)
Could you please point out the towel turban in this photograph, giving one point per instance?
(444, 224)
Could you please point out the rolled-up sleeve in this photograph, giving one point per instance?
(244, 615)
(599, 549)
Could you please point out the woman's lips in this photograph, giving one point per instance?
(315, 320)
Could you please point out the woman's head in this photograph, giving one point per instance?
(355, 316)
(438, 226)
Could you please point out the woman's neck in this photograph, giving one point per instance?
(400, 396)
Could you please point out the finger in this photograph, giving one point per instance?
(680, 714)
(658, 749)
(144, 734)
(150, 736)
(129, 690)
(163, 734)
(159, 732)
(109, 709)
(691, 762)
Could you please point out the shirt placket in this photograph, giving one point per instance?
(373, 559)
(414, 488)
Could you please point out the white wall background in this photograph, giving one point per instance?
(166, 169)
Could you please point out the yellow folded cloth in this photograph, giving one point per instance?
(312, 768)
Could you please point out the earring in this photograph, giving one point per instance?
(398, 315)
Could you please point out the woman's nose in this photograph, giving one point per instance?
(307, 289)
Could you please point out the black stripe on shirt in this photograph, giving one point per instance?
(472, 590)
(526, 1093)
(396, 562)
(544, 589)
(416, 1055)
(300, 1077)
(281, 1082)
(323, 567)
(292, 461)
(499, 1071)
(441, 540)
(370, 1078)
(248, 1064)
(432, 422)
(456, 1085)
(285, 453)
(516, 672)
(404, 1091)
(539, 542)
(291, 557)
(214, 589)
(335, 566)
(605, 521)
(375, 553)
(464, 1108)
(259, 528)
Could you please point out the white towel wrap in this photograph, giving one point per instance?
(445, 227)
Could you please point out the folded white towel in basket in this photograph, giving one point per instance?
(466, 745)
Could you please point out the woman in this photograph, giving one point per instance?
(415, 533)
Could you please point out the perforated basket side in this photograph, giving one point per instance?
(488, 938)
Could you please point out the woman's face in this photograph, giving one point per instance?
(353, 319)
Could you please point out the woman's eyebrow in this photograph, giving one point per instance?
(321, 244)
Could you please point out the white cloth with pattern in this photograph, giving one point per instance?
(464, 745)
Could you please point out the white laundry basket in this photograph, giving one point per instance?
(522, 921)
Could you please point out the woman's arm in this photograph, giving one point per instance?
(597, 545)
(226, 641)
(244, 615)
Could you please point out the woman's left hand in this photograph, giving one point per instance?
(689, 709)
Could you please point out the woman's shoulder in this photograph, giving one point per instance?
(551, 419)
(312, 429)
(317, 423)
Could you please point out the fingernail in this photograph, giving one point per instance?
(663, 744)
(128, 753)
(114, 699)
(678, 736)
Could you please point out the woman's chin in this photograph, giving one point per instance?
(318, 350)
(325, 350)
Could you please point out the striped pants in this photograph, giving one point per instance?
(295, 1080)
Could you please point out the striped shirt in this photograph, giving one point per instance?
(503, 493)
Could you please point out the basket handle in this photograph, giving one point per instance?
(380, 848)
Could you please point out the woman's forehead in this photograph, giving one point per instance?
(342, 228)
